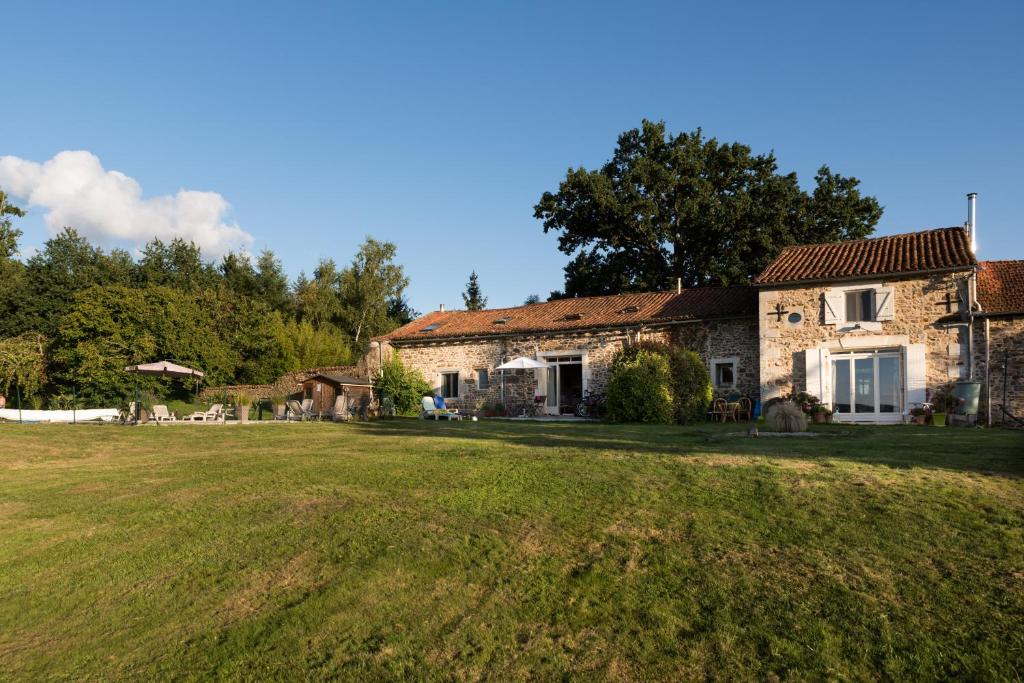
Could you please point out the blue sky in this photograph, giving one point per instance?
(438, 126)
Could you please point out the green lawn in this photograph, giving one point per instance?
(503, 551)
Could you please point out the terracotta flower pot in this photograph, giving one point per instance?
(919, 419)
(820, 418)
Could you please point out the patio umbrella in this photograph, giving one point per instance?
(162, 368)
(521, 363)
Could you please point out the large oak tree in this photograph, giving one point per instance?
(685, 206)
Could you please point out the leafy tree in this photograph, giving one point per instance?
(23, 364)
(473, 298)
(532, 299)
(68, 264)
(178, 264)
(12, 271)
(406, 387)
(685, 206)
(307, 346)
(110, 327)
(367, 289)
(317, 301)
(9, 235)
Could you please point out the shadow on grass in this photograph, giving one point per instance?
(991, 451)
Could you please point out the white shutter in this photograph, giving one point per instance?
(917, 381)
(817, 363)
(833, 306)
(884, 303)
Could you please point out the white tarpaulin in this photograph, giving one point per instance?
(104, 414)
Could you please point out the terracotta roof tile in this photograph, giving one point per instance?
(940, 249)
(583, 313)
(1001, 286)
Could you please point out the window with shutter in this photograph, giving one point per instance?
(833, 306)
(884, 303)
(916, 374)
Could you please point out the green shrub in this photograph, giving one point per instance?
(639, 388)
(691, 385)
(404, 386)
(689, 381)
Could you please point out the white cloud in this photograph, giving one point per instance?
(76, 191)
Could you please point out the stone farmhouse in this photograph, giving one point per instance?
(872, 327)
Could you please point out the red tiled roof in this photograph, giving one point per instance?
(562, 315)
(1001, 286)
(930, 250)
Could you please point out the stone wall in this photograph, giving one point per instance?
(288, 384)
(919, 307)
(725, 338)
(1006, 356)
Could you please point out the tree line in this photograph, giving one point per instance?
(73, 315)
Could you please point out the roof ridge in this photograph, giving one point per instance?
(922, 231)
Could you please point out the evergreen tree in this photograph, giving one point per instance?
(472, 297)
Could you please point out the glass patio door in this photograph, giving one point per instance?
(867, 387)
(557, 385)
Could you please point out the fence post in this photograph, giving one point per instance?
(17, 389)
(74, 405)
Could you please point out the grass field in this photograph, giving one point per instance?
(508, 551)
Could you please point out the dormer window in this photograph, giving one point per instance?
(630, 309)
(431, 327)
(572, 316)
(502, 321)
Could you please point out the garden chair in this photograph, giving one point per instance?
(161, 414)
(746, 409)
(720, 410)
(214, 414)
(298, 412)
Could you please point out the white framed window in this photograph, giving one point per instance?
(450, 384)
(724, 371)
(856, 304)
(483, 379)
(860, 305)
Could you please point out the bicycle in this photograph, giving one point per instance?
(592, 405)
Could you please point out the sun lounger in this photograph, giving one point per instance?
(214, 414)
(434, 406)
(161, 414)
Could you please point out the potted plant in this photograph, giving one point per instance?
(278, 404)
(820, 413)
(243, 402)
(943, 402)
(918, 415)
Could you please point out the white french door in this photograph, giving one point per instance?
(867, 386)
(564, 384)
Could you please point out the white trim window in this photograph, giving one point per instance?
(450, 384)
(857, 304)
(724, 372)
(860, 305)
